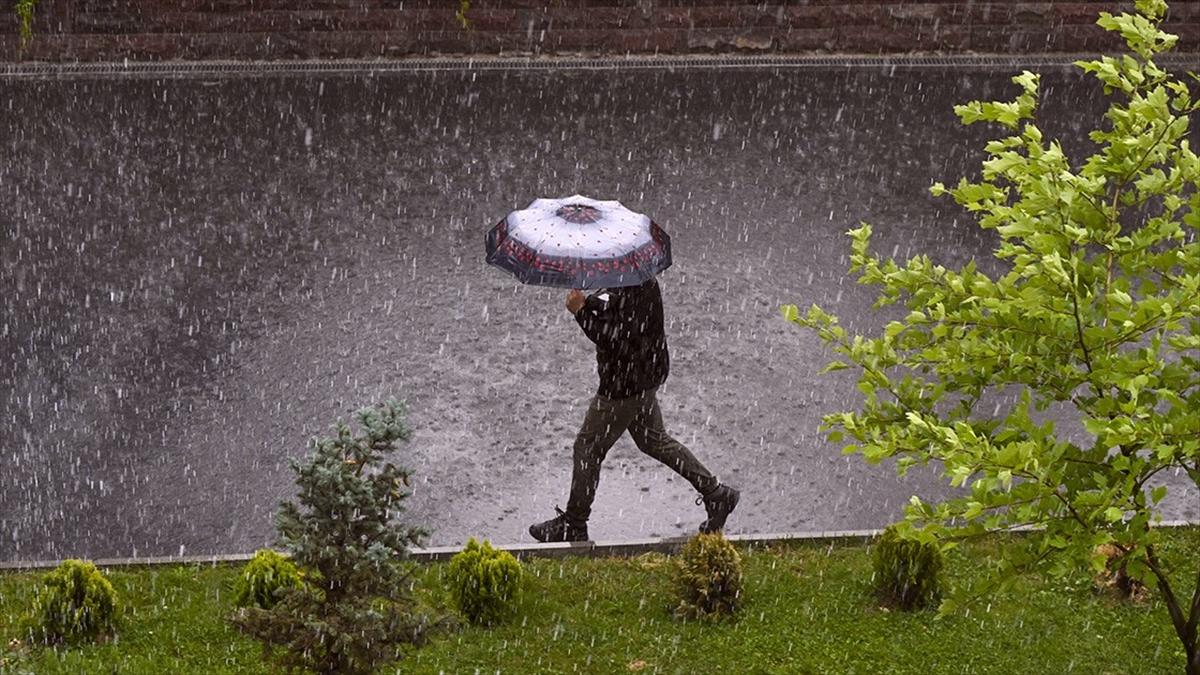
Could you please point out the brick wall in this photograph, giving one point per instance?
(70, 30)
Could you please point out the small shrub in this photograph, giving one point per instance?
(908, 574)
(484, 582)
(264, 579)
(1114, 580)
(75, 602)
(708, 577)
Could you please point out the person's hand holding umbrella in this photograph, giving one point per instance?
(575, 300)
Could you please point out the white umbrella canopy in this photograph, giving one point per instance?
(578, 242)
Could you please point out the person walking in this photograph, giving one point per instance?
(626, 324)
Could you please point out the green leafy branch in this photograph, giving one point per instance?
(1096, 309)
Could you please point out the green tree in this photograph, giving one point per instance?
(356, 609)
(1096, 312)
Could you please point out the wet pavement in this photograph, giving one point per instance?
(200, 274)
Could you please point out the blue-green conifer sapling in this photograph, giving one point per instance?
(356, 610)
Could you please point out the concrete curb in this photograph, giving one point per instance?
(372, 67)
(589, 549)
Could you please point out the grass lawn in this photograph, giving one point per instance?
(808, 609)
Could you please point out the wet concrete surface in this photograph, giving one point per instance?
(199, 275)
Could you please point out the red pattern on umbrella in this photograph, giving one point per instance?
(628, 262)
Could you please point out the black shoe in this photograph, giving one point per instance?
(559, 528)
(719, 503)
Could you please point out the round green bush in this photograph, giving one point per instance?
(74, 602)
(484, 582)
(708, 578)
(908, 574)
(264, 579)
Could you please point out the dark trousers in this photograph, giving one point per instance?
(605, 421)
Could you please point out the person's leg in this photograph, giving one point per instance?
(605, 421)
(652, 438)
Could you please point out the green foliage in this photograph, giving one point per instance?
(356, 610)
(24, 10)
(1097, 312)
(265, 579)
(74, 603)
(1114, 578)
(708, 578)
(806, 611)
(484, 582)
(461, 13)
(908, 574)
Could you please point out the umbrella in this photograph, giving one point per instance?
(576, 242)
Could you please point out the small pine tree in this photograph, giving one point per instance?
(357, 610)
(908, 573)
(708, 578)
(74, 603)
(484, 582)
(265, 579)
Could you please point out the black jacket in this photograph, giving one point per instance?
(631, 347)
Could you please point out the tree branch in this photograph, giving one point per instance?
(1137, 484)
(1146, 155)
(1087, 358)
(1000, 328)
(1070, 507)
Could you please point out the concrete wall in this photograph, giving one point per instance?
(104, 30)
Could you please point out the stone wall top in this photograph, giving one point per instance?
(112, 30)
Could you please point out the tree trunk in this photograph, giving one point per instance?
(1185, 626)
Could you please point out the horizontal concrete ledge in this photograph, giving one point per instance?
(591, 549)
(210, 69)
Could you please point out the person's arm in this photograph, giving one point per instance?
(597, 317)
